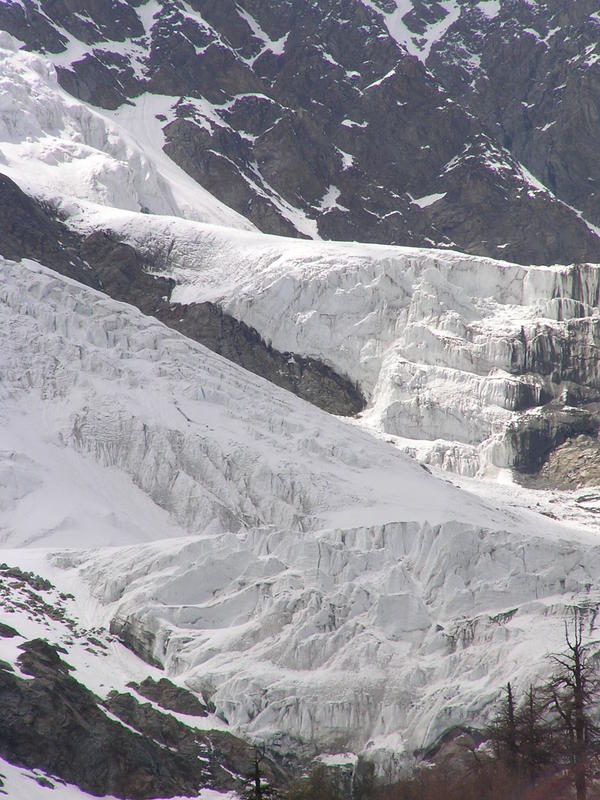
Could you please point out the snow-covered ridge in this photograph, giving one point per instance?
(450, 349)
(310, 578)
(66, 152)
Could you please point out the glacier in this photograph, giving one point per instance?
(456, 354)
(323, 589)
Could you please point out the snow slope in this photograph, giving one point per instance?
(417, 44)
(313, 580)
(70, 154)
(106, 377)
(451, 350)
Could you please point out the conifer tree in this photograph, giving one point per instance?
(534, 734)
(255, 787)
(319, 785)
(503, 732)
(575, 690)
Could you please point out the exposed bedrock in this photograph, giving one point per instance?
(169, 696)
(572, 465)
(31, 229)
(312, 120)
(534, 437)
(52, 722)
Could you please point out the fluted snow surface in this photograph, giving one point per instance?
(72, 154)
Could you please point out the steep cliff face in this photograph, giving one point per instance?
(320, 589)
(345, 119)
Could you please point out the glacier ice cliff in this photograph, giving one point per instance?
(474, 365)
(318, 585)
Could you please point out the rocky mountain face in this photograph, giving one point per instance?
(530, 71)
(415, 123)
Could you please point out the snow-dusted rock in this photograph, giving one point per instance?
(289, 114)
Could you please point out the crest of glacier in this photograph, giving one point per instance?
(319, 585)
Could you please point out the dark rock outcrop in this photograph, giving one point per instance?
(572, 465)
(54, 723)
(222, 753)
(170, 697)
(51, 722)
(30, 229)
(7, 631)
(531, 74)
(535, 436)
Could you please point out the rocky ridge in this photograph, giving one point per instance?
(324, 120)
(547, 114)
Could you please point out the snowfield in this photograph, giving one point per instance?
(313, 580)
